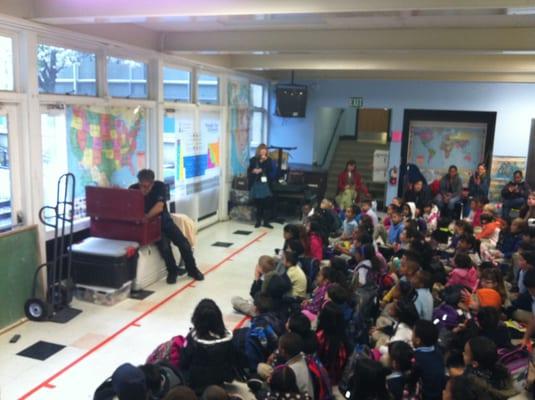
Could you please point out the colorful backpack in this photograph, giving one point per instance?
(516, 360)
(320, 379)
(168, 351)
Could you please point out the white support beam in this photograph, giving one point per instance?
(512, 39)
(284, 76)
(80, 11)
(436, 62)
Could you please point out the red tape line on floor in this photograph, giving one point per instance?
(47, 383)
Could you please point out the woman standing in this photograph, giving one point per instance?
(260, 172)
(351, 189)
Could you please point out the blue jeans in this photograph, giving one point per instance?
(508, 204)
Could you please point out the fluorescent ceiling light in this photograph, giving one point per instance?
(521, 11)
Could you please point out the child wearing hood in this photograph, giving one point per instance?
(463, 272)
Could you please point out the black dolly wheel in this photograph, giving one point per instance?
(35, 310)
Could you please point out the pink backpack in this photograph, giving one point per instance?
(168, 351)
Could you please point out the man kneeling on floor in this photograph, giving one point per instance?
(155, 197)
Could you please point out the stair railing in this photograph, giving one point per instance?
(332, 139)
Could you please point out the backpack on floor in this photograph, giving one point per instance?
(168, 352)
(320, 379)
(359, 352)
(170, 377)
(516, 360)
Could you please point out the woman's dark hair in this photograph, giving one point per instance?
(338, 294)
(407, 291)
(207, 320)
(328, 273)
(366, 225)
(422, 252)
(486, 218)
(295, 245)
(333, 325)
(488, 318)
(318, 228)
(351, 162)
(369, 381)
(452, 167)
(364, 237)
(462, 388)
(339, 267)
(367, 252)
(283, 380)
(299, 324)
(529, 256)
(402, 353)
(462, 261)
(152, 377)
(485, 353)
(292, 229)
(465, 225)
(406, 312)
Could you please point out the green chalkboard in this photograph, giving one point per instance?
(19, 258)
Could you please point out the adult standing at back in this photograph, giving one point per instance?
(451, 186)
(514, 194)
(260, 173)
(478, 185)
(350, 188)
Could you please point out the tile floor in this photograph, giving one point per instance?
(101, 337)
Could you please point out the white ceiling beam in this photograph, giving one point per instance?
(350, 40)
(54, 11)
(389, 62)
(284, 76)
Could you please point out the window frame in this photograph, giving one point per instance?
(134, 58)
(69, 45)
(15, 60)
(191, 90)
(198, 73)
(264, 112)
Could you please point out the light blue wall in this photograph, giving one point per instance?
(514, 104)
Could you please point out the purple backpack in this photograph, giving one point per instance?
(446, 317)
(516, 360)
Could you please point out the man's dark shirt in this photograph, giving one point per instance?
(156, 194)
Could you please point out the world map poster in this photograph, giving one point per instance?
(434, 146)
(106, 146)
(239, 124)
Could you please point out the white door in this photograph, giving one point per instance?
(192, 159)
(11, 161)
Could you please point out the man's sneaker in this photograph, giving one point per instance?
(257, 225)
(197, 275)
(268, 225)
(181, 271)
(171, 277)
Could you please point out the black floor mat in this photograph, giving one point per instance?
(41, 350)
(240, 232)
(140, 294)
(222, 244)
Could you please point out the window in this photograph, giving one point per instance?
(258, 115)
(6, 63)
(176, 84)
(101, 146)
(66, 71)
(208, 89)
(5, 177)
(127, 78)
(257, 95)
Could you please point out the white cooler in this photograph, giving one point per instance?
(151, 266)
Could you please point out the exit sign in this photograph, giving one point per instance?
(357, 102)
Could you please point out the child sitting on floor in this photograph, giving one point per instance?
(463, 273)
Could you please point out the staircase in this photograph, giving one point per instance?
(362, 153)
